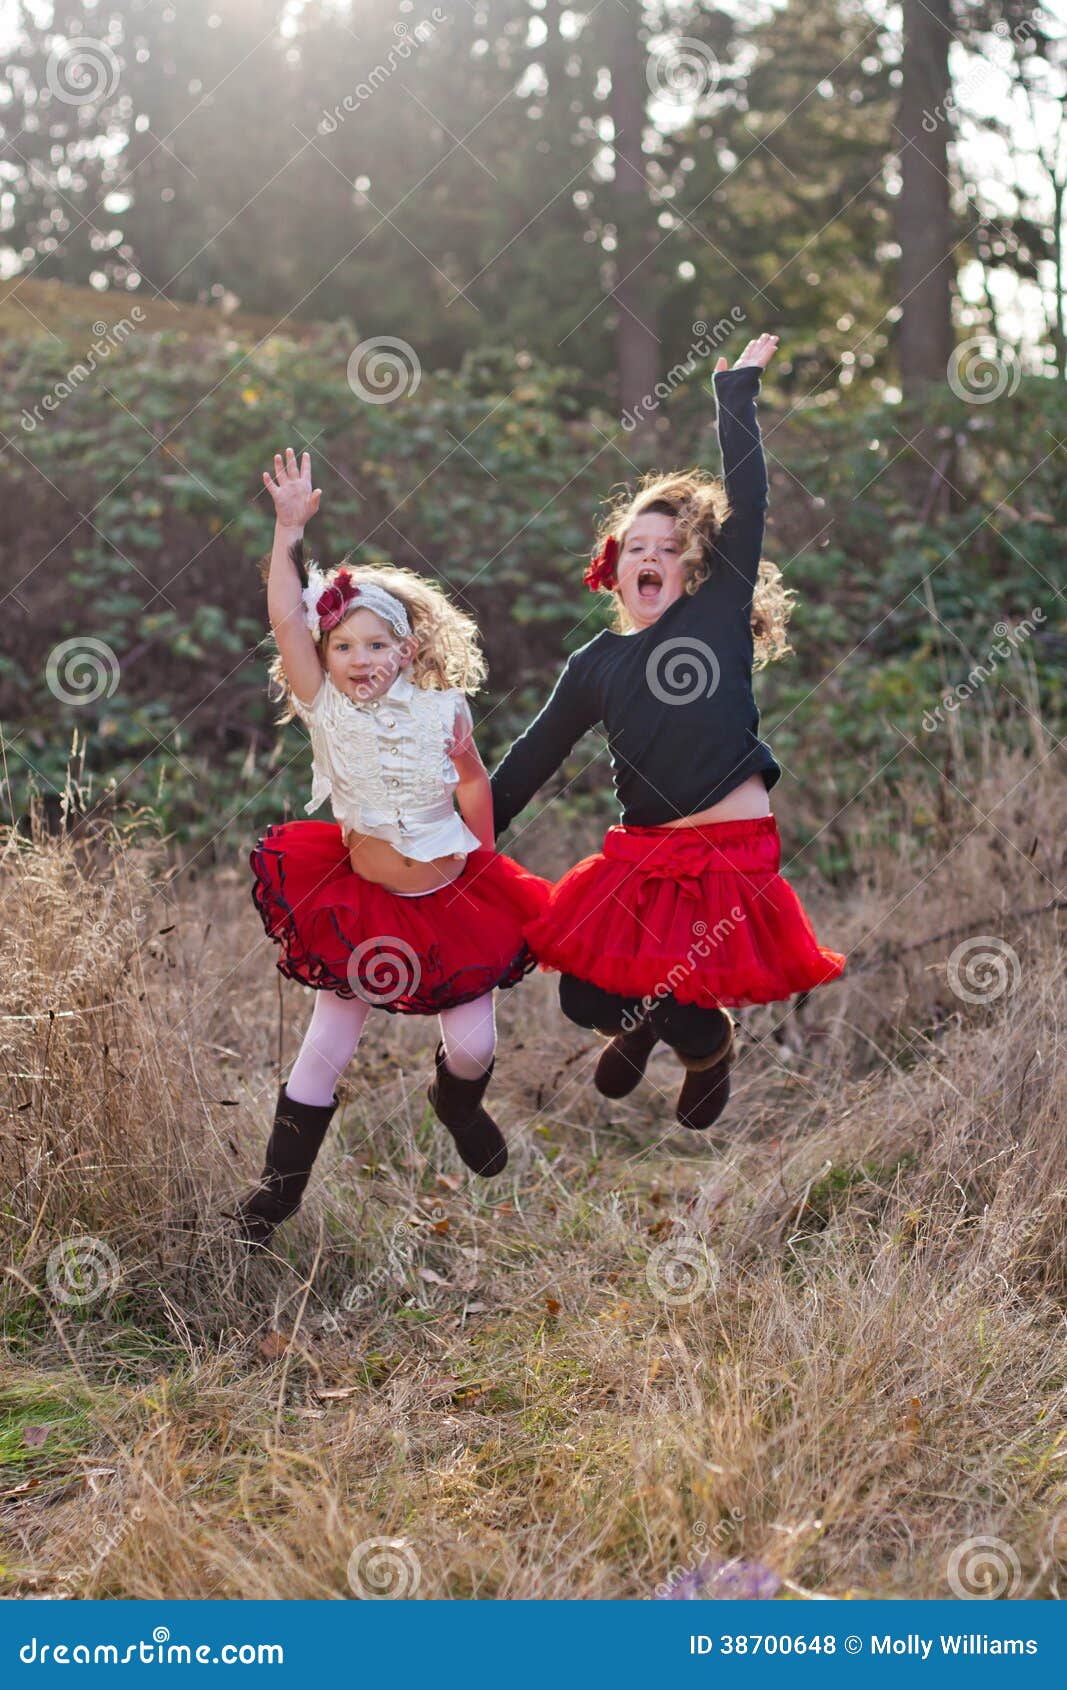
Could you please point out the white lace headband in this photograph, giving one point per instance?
(327, 602)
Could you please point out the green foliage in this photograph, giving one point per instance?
(141, 520)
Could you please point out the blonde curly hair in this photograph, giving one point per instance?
(699, 505)
(448, 650)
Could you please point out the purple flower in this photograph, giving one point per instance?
(724, 1581)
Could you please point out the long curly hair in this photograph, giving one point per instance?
(448, 650)
(699, 505)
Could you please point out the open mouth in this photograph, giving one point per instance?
(649, 582)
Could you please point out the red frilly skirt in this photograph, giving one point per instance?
(700, 912)
(411, 956)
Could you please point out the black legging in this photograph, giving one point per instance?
(687, 1028)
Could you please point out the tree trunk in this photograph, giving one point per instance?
(637, 346)
(924, 221)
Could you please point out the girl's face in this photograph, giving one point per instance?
(650, 575)
(363, 655)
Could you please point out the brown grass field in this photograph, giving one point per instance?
(831, 1342)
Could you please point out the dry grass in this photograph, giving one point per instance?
(871, 1369)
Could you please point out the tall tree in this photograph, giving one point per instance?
(924, 217)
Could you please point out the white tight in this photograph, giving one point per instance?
(467, 1032)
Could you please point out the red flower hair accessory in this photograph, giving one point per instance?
(331, 607)
(601, 571)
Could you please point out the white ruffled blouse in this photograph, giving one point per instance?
(385, 764)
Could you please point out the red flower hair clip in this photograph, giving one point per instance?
(601, 571)
(331, 607)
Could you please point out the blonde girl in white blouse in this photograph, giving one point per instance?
(401, 902)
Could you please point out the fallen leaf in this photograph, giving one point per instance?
(432, 1278)
(654, 1369)
(475, 1308)
(310, 1413)
(440, 1226)
(34, 1435)
(450, 1182)
(553, 1305)
(273, 1345)
(337, 1393)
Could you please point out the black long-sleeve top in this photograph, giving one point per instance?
(675, 698)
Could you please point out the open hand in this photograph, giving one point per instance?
(758, 352)
(294, 501)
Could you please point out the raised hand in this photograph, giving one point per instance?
(295, 503)
(758, 352)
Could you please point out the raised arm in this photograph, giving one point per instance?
(744, 468)
(538, 753)
(295, 503)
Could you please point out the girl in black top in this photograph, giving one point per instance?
(683, 912)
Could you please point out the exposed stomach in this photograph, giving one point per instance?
(745, 803)
(376, 860)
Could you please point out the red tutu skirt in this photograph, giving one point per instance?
(700, 912)
(411, 956)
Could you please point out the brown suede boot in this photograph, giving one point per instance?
(457, 1103)
(706, 1087)
(622, 1063)
(295, 1141)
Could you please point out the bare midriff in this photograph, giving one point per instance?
(745, 803)
(377, 860)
